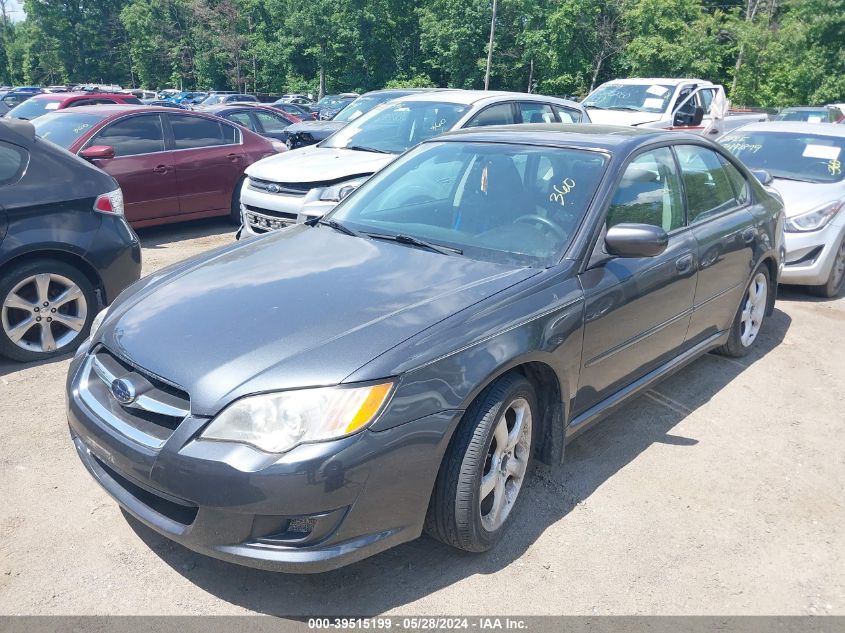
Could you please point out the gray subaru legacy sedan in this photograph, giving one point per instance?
(319, 394)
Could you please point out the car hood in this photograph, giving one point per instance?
(309, 127)
(318, 164)
(299, 307)
(800, 197)
(621, 117)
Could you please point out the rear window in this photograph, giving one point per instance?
(34, 108)
(66, 127)
(13, 160)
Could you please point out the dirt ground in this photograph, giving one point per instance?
(721, 491)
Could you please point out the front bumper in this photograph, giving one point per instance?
(810, 255)
(317, 507)
(262, 212)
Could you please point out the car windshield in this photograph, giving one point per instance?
(808, 116)
(34, 108)
(360, 106)
(330, 102)
(635, 97)
(64, 128)
(793, 156)
(505, 203)
(397, 126)
(213, 99)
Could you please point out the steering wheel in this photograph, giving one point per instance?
(539, 219)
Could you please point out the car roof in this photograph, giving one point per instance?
(609, 138)
(16, 131)
(64, 96)
(795, 127)
(672, 81)
(470, 97)
(806, 108)
(109, 110)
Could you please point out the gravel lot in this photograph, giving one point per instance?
(721, 491)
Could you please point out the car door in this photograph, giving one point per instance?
(637, 310)
(209, 162)
(143, 166)
(720, 218)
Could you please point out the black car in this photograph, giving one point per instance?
(14, 98)
(65, 248)
(330, 105)
(301, 112)
(261, 119)
(311, 132)
(397, 365)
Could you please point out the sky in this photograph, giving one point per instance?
(14, 10)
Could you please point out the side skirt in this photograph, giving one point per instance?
(585, 420)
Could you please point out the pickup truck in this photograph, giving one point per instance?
(693, 105)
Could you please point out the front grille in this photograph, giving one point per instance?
(151, 415)
(281, 188)
(263, 220)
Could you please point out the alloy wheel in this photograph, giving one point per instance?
(506, 464)
(44, 312)
(754, 309)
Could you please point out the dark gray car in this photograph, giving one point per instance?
(319, 394)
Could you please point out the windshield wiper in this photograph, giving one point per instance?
(415, 241)
(333, 224)
(361, 148)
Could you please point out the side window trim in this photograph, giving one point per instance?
(24, 157)
(90, 142)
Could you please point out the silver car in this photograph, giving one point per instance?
(805, 161)
(308, 182)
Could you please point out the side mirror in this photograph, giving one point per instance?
(763, 176)
(635, 240)
(688, 119)
(98, 152)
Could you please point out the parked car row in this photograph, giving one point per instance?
(465, 281)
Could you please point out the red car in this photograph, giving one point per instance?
(172, 165)
(41, 104)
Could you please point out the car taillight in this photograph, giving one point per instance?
(111, 202)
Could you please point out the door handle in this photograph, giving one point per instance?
(161, 169)
(683, 264)
(234, 157)
(748, 235)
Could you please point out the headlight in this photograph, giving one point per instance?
(338, 192)
(813, 220)
(98, 321)
(276, 422)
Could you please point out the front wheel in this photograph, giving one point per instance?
(750, 316)
(235, 211)
(485, 467)
(836, 279)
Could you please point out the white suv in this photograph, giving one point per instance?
(308, 182)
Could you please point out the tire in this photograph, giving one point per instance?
(23, 292)
(457, 505)
(836, 279)
(235, 210)
(740, 340)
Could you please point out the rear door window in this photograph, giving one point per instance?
(192, 132)
(133, 136)
(568, 115)
(707, 182)
(242, 118)
(13, 160)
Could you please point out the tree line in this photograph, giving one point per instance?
(766, 52)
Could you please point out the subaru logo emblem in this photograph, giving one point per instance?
(274, 188)
(123, 391)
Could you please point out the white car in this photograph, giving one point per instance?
(807, 164)
(308, 182)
